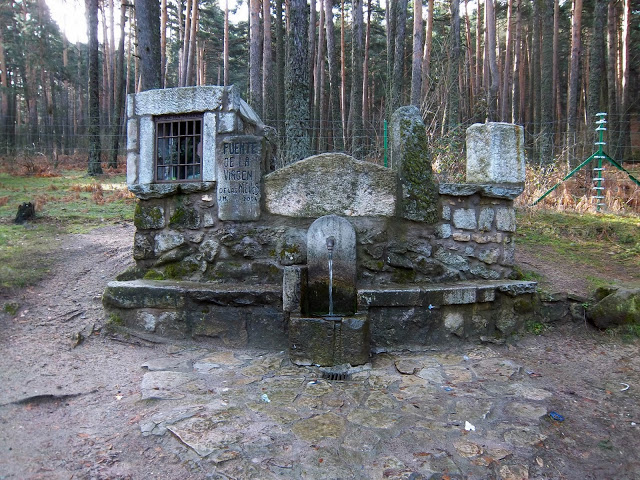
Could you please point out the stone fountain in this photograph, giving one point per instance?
(240, 255)
(328, 331)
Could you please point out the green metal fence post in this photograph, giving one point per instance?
(598, 171)
(385, 143)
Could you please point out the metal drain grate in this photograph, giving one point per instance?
(336, 376)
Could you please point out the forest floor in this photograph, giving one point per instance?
(78, 403)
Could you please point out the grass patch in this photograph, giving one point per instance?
(70, 203)
(536, 328)
(590, 239)
(526, 275)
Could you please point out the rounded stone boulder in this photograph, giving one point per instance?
(621, 307)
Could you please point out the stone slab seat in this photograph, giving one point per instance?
(439, 294)
(176, 294)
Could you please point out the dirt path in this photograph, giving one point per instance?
(77, 411)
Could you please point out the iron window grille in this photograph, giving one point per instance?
(178, 149)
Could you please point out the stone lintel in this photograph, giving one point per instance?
(172, 101)
(146, 191)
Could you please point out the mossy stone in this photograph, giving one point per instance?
(148, 217)
(411, 159)
(153, 275)
(185, 217)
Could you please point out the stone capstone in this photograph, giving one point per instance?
(495, 153)
(331, 183)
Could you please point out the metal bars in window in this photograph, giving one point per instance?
(178, 149)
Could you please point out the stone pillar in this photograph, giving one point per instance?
(495, 153)
(417, 191)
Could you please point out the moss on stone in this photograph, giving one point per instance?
(403, 275)
(180, 270)
(523, 305)
(184, 216)
(153, 275)
(131, 273)
(115, 320)
(148, 217)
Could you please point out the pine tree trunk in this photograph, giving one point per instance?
(365, 75)
(390, 19)
(557, 115)
(534, 76)
(186, 30)
(494, 81)
(470, 68)
(147, 31)
(454, 66)
(225, 53)
(546, 83)
(191, 57)
(297, 145)
(343, 75)
(426, 58)
(320, 140)
(119, 93)
(398, 56)
(112, 48)
(596, 59)
(255, 61)
(94, 167)
(612, 79)
(280, 63)
(335, 119)
(479, 58)
(163, 42)
(624, 139)
(4, 98)
(416, 64)
(313, 14)
(268, 109)
(357, 52)
(106, 95)
(574, 74)
(517, 67)
(505, 106)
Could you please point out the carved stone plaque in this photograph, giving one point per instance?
(239, 176)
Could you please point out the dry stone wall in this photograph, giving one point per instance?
(181, 237)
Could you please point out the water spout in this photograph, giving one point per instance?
(331, 241)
